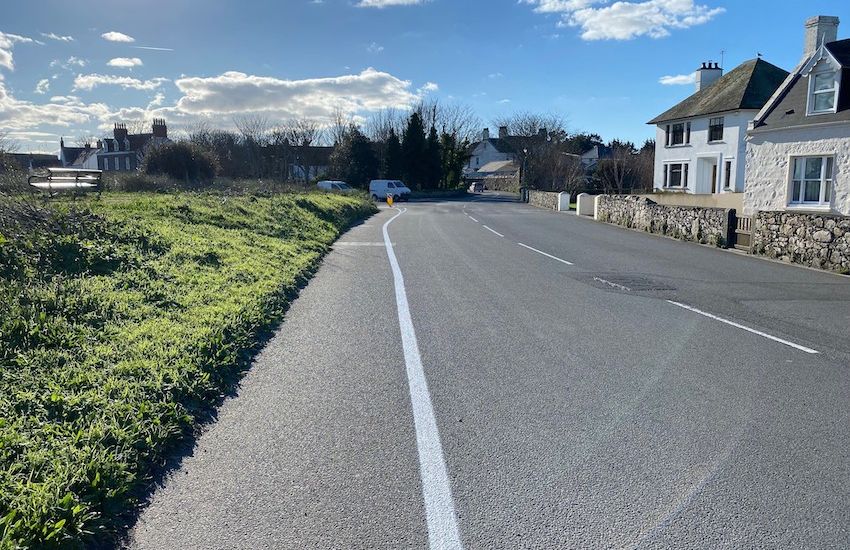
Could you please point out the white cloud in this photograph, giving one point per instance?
(91, 81)
(115, 36)
(624, 20)
(7, 42)
(43, 86)
(234, 92)
(494, 76)
(153, 48)
(157, 100)
(678, 80)
(374, 47)
(69, 63)
(54, 36)
(125, 62)
(387, 3)
(429, 87)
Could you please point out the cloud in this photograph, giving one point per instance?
(7, 42)
(54, 36)
(115, 36)
(234, 92)
(387, 3)
(157, 100)
(125, 62)
(91, 81)
(43, 86)
(69, 63)
(374, 47)
(494, 76)
(429, 87)
(623, 20)
(677, 80)
(23, 115)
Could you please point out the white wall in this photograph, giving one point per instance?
(484, 153)
(768, 161)
(732, 147)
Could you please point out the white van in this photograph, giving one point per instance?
(379, 189)
(330, 185)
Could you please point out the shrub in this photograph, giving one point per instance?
(181, 160)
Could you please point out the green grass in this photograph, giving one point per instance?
(125, 320)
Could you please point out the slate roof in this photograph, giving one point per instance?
(71, 153)
(747, 86)
(789, 109)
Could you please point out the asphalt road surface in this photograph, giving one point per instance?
(500, 376)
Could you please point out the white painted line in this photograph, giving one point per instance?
(545, 254)
(443, 532)
(473, 219)
(357, 243)
(613, 285)
(491, 230)
(742, 327)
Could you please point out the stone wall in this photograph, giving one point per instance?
(689, 223)
(543, 199)
(815, 240)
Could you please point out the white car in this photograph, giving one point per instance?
(381, 189)
(339, 186)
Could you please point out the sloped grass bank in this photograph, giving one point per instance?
(122, 322)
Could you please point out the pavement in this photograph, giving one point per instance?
(530, 379)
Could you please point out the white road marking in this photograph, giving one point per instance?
(473, 219)
(545, 254)
(357, 243)
(491, 230)
(613, 285)
(443, 532)
(742, 327)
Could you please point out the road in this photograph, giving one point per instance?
(530, 379)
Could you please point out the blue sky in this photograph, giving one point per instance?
(74, 72)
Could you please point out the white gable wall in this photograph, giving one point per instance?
(768, 163)
(731, 148)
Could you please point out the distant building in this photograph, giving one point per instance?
(700, 142)
(310, 162)
(33, 161)
(121, 152)
(489, 150)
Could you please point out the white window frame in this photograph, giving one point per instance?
(722, 120)
(668, 171)
(827, 183)
(728, 175)
(810, 108)
(686, 134)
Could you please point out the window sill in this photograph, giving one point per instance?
(809, 207)
(717, 142)
(679, 146)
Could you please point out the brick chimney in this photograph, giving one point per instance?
(821, 29)
(159, 128)
(708, 75)
(503, 132)
(485, 135)
(120, 131)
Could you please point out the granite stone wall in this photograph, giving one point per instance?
(543, 199)
(815, 240)
(688, 223)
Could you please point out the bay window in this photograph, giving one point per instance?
(811, 181)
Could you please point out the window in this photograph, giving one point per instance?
(676, 175)
(728, 177)
(678, 134)
(823, 91)
(390, 185)
(811, 180)
(715, 129)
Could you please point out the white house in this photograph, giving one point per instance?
(798, 147)
(490, 150)
(700, 143)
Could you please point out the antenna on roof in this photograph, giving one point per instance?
(722, 58)
(760, 55)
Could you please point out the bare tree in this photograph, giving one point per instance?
(87, 139)
(615, 173)
(535, 139)
(301, 135)
(7, 144)
(254, 130)
(338, 128)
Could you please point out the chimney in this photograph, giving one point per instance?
(821, 29)
(503, 132)
(99, 144)
(87, 145)
(708, 75)
(159, 128)
(485, 135)
(120, 131)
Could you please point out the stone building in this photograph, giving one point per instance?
(798, 146)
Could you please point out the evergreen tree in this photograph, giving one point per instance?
(393, 164)
(454, 157)
(433, 160)
(354, 159)
(413, 152)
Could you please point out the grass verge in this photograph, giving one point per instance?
(125, 320)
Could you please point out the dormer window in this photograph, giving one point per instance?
(823, 92)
